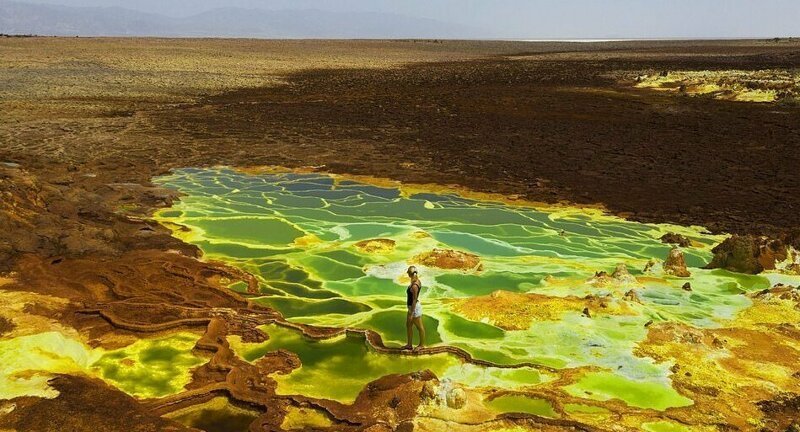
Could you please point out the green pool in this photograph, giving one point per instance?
(301, 234)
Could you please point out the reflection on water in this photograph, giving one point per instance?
(217, 415)
(335, 359)
(303, 236)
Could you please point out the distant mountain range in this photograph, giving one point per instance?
(42, 19)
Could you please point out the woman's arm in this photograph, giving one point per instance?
(414, 294)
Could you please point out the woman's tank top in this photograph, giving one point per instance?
(410, 295)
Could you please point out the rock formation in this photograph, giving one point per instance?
(456, 398)
(675, 264)
(651, 264)
(449, 259)
(748, 254)
(779, 291)
(376, 246)
(620, 277)
(632, 296)
(621, 274)
(676, 239)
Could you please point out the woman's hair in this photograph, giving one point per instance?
(412, 270)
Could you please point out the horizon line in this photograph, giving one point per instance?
(414, 38)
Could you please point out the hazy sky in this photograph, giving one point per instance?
(538, 18)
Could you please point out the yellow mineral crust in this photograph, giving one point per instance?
(302, 418)
(473, 410)
(514, 311)
(379, 246)
(28, 362)
(733, 85)
(21, 321)
(775, 311)
(307, 240)
(448, 259)
(725, 371)
(420, 235)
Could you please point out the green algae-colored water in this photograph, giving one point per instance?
(350, 362)
(604, 386)
(151, 367)
(297, 233)
(348, 359)
(147, 368)
(664, 426)
(523, 404)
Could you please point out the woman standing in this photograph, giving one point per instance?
(414, 317)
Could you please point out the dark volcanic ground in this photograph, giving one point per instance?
(563, 129)
(548, 121)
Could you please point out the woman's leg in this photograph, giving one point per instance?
(421, 328)
(409, 331)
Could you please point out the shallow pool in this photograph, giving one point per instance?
(306, 237)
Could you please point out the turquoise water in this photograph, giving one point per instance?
(298, 234)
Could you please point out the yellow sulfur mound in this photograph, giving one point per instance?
(734, 85)
(376, 246)
(512, 311)
(448, 259)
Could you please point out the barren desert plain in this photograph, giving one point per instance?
(212, 234)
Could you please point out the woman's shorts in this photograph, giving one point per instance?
(417, 312)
